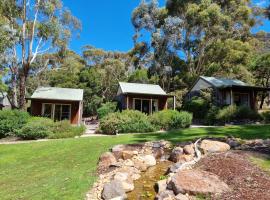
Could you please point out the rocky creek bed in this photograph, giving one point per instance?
(211, 168)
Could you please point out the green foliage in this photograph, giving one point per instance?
(171, 119)
(36, 128)
(211, 116)
(198, 106)
(128, 121)
(106, 108)
(234, 112)
(40, 127)
(63, 129)
(139, 76)
(266, 116)
(11, 121)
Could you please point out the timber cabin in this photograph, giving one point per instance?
(58, 104)
(227, 91)
(147, 98)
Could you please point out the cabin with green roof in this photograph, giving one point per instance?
(58, 104)
(147, 98)
(227, 91)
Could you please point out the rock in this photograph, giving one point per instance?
(106, 159)
(128, 154)
(233, 142)
(128, 163)
(189, 149)
(174, 167)
(149, 160)
(165, 195)
(113, 189)
(125, 179)
(161, 186)
(181, 197)
(176, 153)
(196, 182)
(158, 153)
(118, 198)
(185, 158)
(140, 165)
(211, 146)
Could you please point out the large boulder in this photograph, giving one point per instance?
(105, 160)
(148, 160)
(211, 146)
(176, 153)
(113, 189)
(126, 180)
(194, 182)
(128, 154)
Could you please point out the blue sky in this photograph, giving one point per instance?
(107, 24)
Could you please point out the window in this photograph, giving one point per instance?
(57, 112)
(145, 105)
(47, 110)
(241, 99)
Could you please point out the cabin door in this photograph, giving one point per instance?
(146, 106)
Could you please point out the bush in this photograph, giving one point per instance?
(198, 106)
(11, 121)
(106, 108)
(233, 112)
(181, 120)
(266, 116)
(128, 121)
(41, 127)
(171, 119)
(211, 116)
(36, 128)
(63, 129)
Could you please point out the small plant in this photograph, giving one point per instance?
(163, 177)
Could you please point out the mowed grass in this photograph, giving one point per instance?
(262, 161)
(65, 169)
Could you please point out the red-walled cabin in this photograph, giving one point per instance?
(58, 104)
(146, 98)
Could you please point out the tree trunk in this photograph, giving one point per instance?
(22, 85)
(262, 100)
(14, 100)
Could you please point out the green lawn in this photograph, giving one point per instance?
(65, 169)
(262, 161)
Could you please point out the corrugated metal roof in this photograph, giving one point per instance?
(139, 88)
(58, 94)
(222, 82)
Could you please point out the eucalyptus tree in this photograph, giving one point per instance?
(42, 26)
(191, 30)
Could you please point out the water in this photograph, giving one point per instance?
(144, 187)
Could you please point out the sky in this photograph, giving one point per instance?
(107, 24)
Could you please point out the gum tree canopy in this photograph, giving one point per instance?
(38, 27)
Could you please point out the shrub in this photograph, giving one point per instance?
(181, 120)
(128, 121)
(266, 116)
(63, 129)
(36, 128)
(227, 114)
(233, 112)
(198, 106)
(11, 121)
(171, 119)
(106, 108)
(211, 116)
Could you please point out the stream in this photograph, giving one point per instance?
(144, 186)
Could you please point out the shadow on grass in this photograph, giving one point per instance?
(243, 132)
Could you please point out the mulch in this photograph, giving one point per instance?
(247, 181)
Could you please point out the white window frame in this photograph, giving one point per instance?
(150, 102)
(53, 109)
